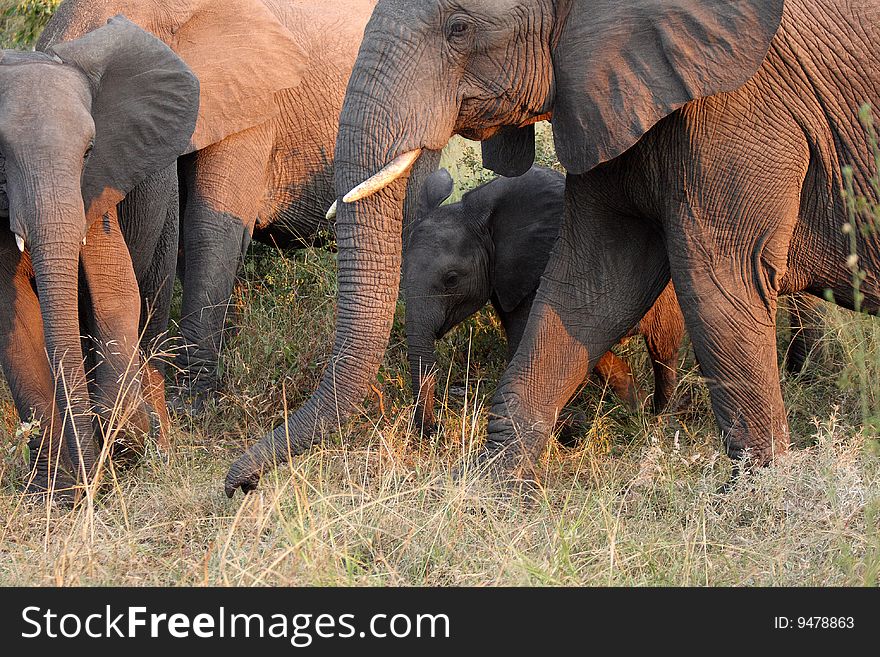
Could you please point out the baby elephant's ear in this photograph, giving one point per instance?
(437, 188)
(145, 101)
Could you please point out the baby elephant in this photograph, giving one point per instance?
(493, 246)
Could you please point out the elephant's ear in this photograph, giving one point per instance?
(620, 67)
(511, 151)
(523, 219)
(240, 51)
(144, 104)
(436, 189)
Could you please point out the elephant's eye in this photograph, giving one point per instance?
(88, 151)
(457, 28)
(450, 280)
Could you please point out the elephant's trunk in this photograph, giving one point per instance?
(369, 245)
(368, 235)
(423, 369)
(54, 238)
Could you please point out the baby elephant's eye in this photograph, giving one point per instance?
(450, 280)
(88, 151)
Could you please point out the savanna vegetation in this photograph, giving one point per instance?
(638, 501)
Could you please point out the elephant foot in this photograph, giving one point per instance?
(195, 384)
(685, 406)
(38, 492)
(510, 468)
(424, 428)
(736, 473)
(129, 439)
(485, 481)
(190, 399)
(49, 482)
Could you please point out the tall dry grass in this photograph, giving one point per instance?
(637, 502)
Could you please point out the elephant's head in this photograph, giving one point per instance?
(491, 245)
(606, 70)
(80, 126)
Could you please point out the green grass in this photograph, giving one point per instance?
(22, 20)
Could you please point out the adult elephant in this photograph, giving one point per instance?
(705, 139)
(273, 76)
(81, 126)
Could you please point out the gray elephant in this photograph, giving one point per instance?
(273, 75)
(82, 126)
(493, 246)
(705, 140)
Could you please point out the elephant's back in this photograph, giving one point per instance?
(324, 23)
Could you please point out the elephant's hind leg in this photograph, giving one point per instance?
(225, 187)
(733, 331)
(728, 251)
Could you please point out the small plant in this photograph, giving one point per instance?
(862, 217)
(23, 21)
(16, 455)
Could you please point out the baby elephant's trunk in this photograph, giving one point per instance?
(423, 367)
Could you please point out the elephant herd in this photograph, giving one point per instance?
(707, 145)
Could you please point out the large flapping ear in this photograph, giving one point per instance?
(240, 51)
(144, 104)
(620, 67)
(511, 151)
(437, 188)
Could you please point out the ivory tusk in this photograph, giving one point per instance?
(392, 171)
(19, 240)
(84, 241)
(331, 213)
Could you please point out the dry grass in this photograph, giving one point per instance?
(636, 503)
(376, 508)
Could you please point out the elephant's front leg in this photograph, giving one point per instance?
(26, 368)
(114, 311)
(605, 271)
(225, 187)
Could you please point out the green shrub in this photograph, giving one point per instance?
(22, 22)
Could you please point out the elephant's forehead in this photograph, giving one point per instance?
(429, 240)
(40, 95)
(445, 244)
(427, 8)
